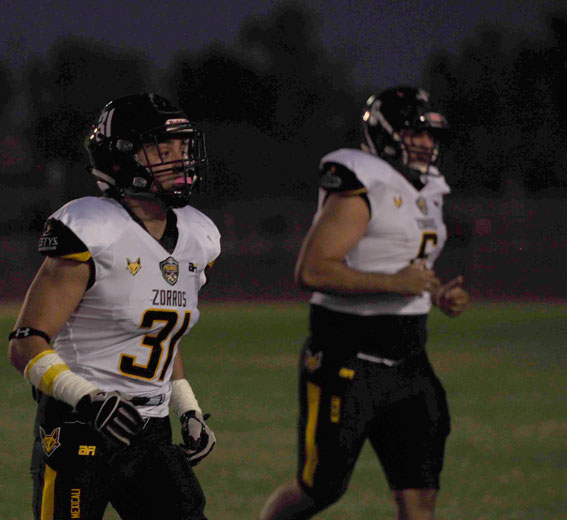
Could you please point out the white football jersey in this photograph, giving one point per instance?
(126, 330)
(405, 224)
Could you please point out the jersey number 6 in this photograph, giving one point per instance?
(429, 237)
(128, 365)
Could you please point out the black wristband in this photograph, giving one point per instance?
(26, 332)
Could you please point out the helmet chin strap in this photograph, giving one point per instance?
(421, 167)
(174, 199)
(102, 177)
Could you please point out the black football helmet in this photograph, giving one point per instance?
(128, 125)
(390, 112)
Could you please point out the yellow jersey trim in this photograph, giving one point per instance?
(79, 257)
(350, 193)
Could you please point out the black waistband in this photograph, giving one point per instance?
(389, 336)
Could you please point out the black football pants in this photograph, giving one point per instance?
(76, 475)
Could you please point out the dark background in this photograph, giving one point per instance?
(276, 87)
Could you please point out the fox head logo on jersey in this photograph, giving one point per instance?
(133, 267)
(170, 270)
(50, 442)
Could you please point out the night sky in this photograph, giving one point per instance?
(387, 41)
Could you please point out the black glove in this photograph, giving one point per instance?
(111, 414)
(198, 439)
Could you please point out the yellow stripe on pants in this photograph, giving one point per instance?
(311, 453)
(48, 497)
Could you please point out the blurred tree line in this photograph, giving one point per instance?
(272, 105)
(507, 105)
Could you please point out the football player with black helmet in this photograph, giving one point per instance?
(99, 331)
(368, 260)
(126, 157)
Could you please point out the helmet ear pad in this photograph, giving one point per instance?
(124, 171)
(386, 145)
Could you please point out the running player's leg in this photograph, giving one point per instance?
(158, 481)
(331, 432)
(410, 443)
(288, 501)
(415, 504)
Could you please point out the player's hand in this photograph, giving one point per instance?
(415, 279)
(113, 415)
(198, 439)
(451, 298)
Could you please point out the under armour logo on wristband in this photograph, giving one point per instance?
(26, 332)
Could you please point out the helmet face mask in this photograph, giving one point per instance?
(401, 127)
(127, 151)
(173, 162)
(420, 149)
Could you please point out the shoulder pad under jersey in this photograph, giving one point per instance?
(96, 221)
(337, 178)
(206, 231)
(436, 183)
(369, 170)
(57, 240)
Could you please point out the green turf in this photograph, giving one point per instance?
(503, 367)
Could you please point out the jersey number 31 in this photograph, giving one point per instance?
(155, 342)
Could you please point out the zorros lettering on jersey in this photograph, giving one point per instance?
(170, 270)
(169, 298)
(426, 223)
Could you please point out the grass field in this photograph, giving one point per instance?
(503, 367)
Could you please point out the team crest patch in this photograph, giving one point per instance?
(50, 442)
(398, 201)
(170, 270)
(422, 205)
(330, 180)
(133, 267)
(312, 361)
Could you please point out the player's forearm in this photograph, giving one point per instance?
(49, 373)
(178, 371)
(336, 277)
(21, 351)
(182, 396)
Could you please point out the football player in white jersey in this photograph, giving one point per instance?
(368, 258)
(99, 331)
